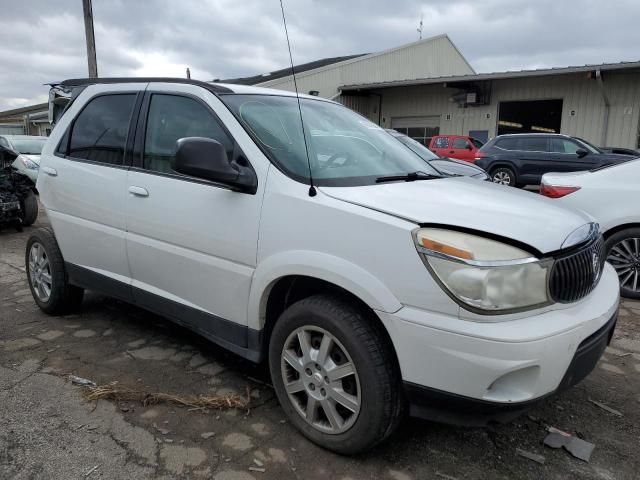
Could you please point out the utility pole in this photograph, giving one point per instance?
(91, 41)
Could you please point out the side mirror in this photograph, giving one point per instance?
(207, 159)
(581, 152)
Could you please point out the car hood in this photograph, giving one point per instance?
(609, 157)
(456, 167)
(463, 202)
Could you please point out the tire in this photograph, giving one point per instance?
(623, 252)
(43, 260)
(503, 176)
(29, 207)
(375, 385)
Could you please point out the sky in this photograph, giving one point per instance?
(43, 40)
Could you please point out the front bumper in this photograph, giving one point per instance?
(446, 407)
(466, 372)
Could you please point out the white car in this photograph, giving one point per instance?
(611, 196)
(367, 281)
(28, 148)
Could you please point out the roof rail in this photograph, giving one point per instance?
(78, 82)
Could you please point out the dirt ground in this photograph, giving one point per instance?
(48, 430)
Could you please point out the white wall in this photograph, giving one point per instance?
(433, 57)
(578, 92)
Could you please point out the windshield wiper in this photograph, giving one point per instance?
(409, 177)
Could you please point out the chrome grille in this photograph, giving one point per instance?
(575, 275)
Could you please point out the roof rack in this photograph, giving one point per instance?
(79, 82)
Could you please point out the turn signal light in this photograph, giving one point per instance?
(446, 249)
(556, 191)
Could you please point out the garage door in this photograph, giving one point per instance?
(418, 128)
(11, 130)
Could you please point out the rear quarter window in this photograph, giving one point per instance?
(441, 142)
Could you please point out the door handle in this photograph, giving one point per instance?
(138, 191)
(52, 172)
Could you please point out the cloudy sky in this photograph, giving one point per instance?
(43, 40)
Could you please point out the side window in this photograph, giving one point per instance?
(534, 144)
(561, 145)
(441, 142)
(100, 131)
(172, 117)
(460, 143)
(509, 143)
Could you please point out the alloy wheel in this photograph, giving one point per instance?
(321, 380)
(625, 258)
(40, 272)
(502, 178)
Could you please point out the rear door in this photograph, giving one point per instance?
(82, 182)
(565, 158)
(534, 159)
(192, 244)
(440, 146)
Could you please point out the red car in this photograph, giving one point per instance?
(455, 146)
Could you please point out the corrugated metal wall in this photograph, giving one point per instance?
(580, 94)
(428, 58)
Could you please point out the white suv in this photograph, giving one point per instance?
(372, 286)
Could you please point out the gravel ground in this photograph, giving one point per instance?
(48, 430)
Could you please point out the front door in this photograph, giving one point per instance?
(461, 149)
(565, 158)
(191, 243)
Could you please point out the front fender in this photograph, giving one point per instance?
(329, 268)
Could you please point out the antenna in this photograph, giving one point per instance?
(419, 29)
(312, 189)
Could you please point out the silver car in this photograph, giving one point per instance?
(28, 148)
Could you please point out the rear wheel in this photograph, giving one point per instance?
(503, 176)
(623, 252)
(335, 374)
(29, 207)
(47, 276)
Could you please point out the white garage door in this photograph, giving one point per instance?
(418, 128)
(11, 129)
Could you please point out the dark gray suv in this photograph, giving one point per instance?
(522, 159)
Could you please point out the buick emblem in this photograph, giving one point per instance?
(596, 265)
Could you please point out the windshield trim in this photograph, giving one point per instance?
(366, 180)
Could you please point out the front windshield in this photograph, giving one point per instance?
(28, 146)
(422, 151)
(345, 149)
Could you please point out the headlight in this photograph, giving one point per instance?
(30, 164)
(483, 275)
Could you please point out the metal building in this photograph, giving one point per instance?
(428, 87)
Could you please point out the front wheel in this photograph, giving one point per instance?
(503, 176)
(335, 374)
(623, 253)
(29, 208)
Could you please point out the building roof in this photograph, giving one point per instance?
(497, 75)
(285, 72)
(343, 61)
(16, 112)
